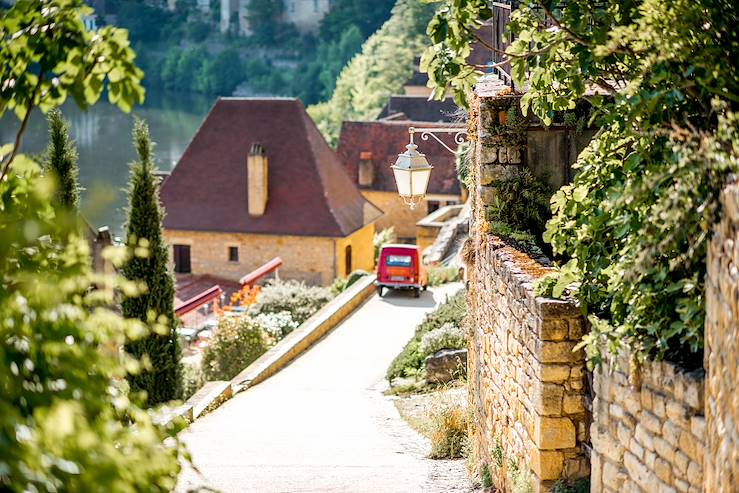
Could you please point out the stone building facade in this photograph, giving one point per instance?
(306, 15)
(258, 181)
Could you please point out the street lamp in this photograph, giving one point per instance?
(412, 171)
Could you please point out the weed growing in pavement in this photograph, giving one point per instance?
(449, 433)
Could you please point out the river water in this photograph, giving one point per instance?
(103, 137)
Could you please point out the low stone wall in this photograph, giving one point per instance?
(648, 432)
(527, 386)
(722, 351)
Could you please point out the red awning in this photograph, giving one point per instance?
(252, 277)
(198, 300)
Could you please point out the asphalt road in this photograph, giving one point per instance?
(322, 424)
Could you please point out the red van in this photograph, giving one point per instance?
(400, 267)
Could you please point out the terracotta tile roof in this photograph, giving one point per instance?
(418, 108)
(385, 140)
(309, 192)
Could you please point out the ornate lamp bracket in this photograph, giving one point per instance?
(459, 135)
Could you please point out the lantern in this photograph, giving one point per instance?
(412, 172)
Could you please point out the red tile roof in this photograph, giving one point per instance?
(385, 140)
(309, 192)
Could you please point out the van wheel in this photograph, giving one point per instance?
(379, 291)
(416, 293)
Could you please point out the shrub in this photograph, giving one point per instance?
(340, 285)
(445, 337)
(449, 435)
(439, 275)
(295, 297)
(410, 360)
(192, 380)
(237, 343)
(276, 325)
(67, 419)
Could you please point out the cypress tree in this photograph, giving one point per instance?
(162, 382)
(61, 162)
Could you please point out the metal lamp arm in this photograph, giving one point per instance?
(429, 132)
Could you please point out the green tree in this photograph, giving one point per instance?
(46, 54)
(367, 16)
(161, 380)
(61, 162)
(67, 421)
(380, 70)
(264, 21)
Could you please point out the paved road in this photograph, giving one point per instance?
(322, 424)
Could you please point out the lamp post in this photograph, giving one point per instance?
(412, 170)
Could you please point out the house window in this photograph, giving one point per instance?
(233, 254)
(182, 259)
(433, 205)
(348, 259)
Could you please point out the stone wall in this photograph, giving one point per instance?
(648, 431)
(722, 351)
(526, 383)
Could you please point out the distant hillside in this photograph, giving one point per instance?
(380, 70)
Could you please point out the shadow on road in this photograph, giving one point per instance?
(405, 298)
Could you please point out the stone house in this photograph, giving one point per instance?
(368, 149)
(259, 181)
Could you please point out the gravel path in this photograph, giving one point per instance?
(322, 424)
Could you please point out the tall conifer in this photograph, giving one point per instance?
(61, 162)
(162, 382)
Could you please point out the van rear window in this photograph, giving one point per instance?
(399, 260)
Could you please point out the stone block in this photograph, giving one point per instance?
(650, 422)
(488, 154)
(681, 461)
(486, 194)
(553, 329)
(663, 470)
(548, 399)
(636, 449)
(613, 476)
(679, 414)
(557, 352)
(573, 404)
(658, 406)
(624, 434)
(445, 365)
(681, 486)
(664, 449)
(554, 373)
(691, 446)
(640, 474)
(695, 474)
(554, 433)
(698, 427)
(547, 464)
(671, 433)
(644, 437)
(576, 328)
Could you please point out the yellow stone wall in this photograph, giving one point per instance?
(363, 255)
(398, 214)
(315, 260)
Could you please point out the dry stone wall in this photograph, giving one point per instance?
(648, 432)
(722, 351)
(527, 385)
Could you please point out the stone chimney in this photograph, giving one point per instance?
(366, 169)
(257, 184)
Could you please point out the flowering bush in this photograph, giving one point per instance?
(295, 297)
(237, 343)
(447, 336)
(277, 325)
